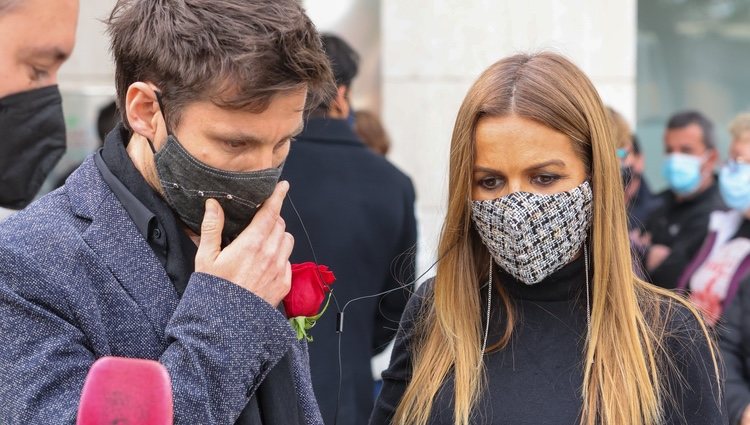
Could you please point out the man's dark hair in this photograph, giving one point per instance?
(636, 145)
(686, 118)
(344, 60)
(235, 53)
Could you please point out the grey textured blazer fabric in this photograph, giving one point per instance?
(79, 282)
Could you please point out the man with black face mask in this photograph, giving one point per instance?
(168, 244)
(37, 36)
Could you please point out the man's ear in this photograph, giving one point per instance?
(713, 159)
(340, 106)
(143, 111)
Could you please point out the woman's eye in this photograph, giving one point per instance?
(491, 183)
(545, 179)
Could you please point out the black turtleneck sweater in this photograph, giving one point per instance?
(537, 378)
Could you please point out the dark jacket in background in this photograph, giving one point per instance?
(359, 212)
(643, 204)
(682, 226)
(734, 342)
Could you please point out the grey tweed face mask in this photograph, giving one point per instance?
(188, 183)
(532, 236)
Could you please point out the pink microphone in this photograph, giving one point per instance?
(126, 392)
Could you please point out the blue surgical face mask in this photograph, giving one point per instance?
(683, 173)
(734, 185)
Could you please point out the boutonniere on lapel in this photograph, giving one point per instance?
(310, 284)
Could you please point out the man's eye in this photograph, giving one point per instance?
(284, 143)
(491, 183)
(234, 144)
(545, 179)
(38, 74)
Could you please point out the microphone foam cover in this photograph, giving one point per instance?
(126, 392)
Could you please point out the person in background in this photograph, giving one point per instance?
(167, 244)
(359, 212)
(718, 269)
(535, 315)
(639, 199)
(106, 121)
(37, 37)
(370, 129)
(734, 329)
(675, 231)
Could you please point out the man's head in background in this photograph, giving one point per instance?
(345, 64)
(37, 36)
(370, 129)
(690, 145)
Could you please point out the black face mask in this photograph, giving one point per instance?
(627, 175)
(33, 140)
(188, 183)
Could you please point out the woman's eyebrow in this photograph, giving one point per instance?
(552, 162)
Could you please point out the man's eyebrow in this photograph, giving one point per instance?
(51, 52)
(251, 138)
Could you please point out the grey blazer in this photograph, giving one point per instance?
(78, 282)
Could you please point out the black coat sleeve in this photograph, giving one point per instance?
(735, 353)
(391, 306)
(683, 249)
(398, 374)
(695, 396)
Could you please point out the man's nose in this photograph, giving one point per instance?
(264, 160)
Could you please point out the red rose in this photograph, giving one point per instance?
(310, 283)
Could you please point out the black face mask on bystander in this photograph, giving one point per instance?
(32, 140)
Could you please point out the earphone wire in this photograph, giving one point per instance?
(489, 309)
(340, 311)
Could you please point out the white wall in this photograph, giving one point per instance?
(90, 67)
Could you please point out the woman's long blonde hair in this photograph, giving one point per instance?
(625, 357)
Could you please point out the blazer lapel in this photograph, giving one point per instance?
(118, 244)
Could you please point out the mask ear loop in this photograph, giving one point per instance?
(160, 102)
(340, 311)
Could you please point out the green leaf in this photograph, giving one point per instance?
(302, 324)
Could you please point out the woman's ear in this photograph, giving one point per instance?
(143, 111)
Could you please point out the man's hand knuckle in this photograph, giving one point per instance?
(208, 226)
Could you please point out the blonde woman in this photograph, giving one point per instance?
(535, 315)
